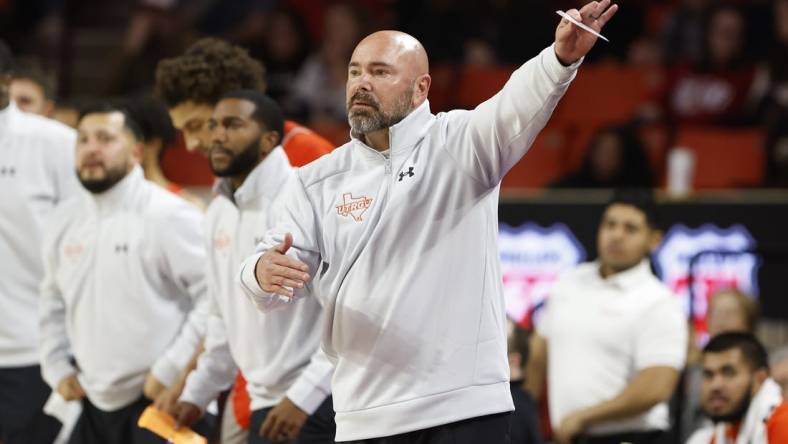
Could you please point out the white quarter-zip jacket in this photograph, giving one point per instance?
(278, 353)
(123, 271)
(405, 257)
(36, 173)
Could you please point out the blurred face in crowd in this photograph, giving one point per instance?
(779, 372)
(387, 79)
(729, 383)
(30, 97)
(781, 20)
(5, 82)
(192, 120)
(106, 150)
(725, 37)
(606, 156)
(726, 314)
(239, 141)
(624, 238)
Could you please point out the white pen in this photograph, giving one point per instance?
(581, 26)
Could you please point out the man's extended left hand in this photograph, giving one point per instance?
(283, 423)
(570, 427)
(573, 43)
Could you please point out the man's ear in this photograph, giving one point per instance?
(655, 239)
(269, 141)
(760, 376)
(421, 89)
(136, 151)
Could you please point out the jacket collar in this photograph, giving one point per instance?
(265, 180)
(403, 136)
(120, 194)
(6, 115)
(629, 279)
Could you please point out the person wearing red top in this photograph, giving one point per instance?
(191, 85)
(744, 404)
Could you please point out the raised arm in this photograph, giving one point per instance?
(489, 140)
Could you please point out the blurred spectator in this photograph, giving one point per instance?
(777, 153)
(158, 135)
(285, 46)
(33, 89)
(683, 35)
(612, 338)
(319, 88)
(729, 310)
(718, 90)
(524, 423)
(743, 402)
(776, 70)
(778, 366)
(615, 158)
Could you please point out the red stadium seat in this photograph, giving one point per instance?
(606, 94)
(725, 158)
(543, 164)
(478, 84)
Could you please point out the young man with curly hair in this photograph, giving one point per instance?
(191, 84)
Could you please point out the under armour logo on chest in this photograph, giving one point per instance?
(408, 173)
(121, 248)
(7, 171)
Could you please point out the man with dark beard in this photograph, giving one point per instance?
(737, 394)
(123, 269)
(288, 378)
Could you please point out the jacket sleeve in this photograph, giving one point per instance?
(489, 140)
(216, 368)
(314, 384)
(183, 260)
(54, 345)
(293, 213)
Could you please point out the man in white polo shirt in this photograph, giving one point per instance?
(613, 338)
(36, 174)
(124, 266)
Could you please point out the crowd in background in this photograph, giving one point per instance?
(715, 63)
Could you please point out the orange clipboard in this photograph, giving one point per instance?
(163, 425)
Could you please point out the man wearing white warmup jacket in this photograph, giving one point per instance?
(396, 231)
(288, 378)
(36, 173)
(124, 265)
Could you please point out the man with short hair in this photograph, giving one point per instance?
(396, 233)
(737, 394)
(33, 90)
(288, 378)
(612, 339)
(36, 174)
(124, 265)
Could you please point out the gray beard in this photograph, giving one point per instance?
(364, 122)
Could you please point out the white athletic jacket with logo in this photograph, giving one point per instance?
(123, 270)
(405, 257)
(36, 173)
(278, 353)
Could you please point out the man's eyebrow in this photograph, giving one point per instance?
(372, 64)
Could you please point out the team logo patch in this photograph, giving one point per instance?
(354, 207)
(702, 261)
(73, 250)
(221, 241)
(532, 259)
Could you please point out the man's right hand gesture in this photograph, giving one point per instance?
(185, 414)
(70, 389)
(279, 274)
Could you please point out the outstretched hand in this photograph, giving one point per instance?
(280, 274)
(573, 43)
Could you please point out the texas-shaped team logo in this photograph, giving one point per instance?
(354, 207)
